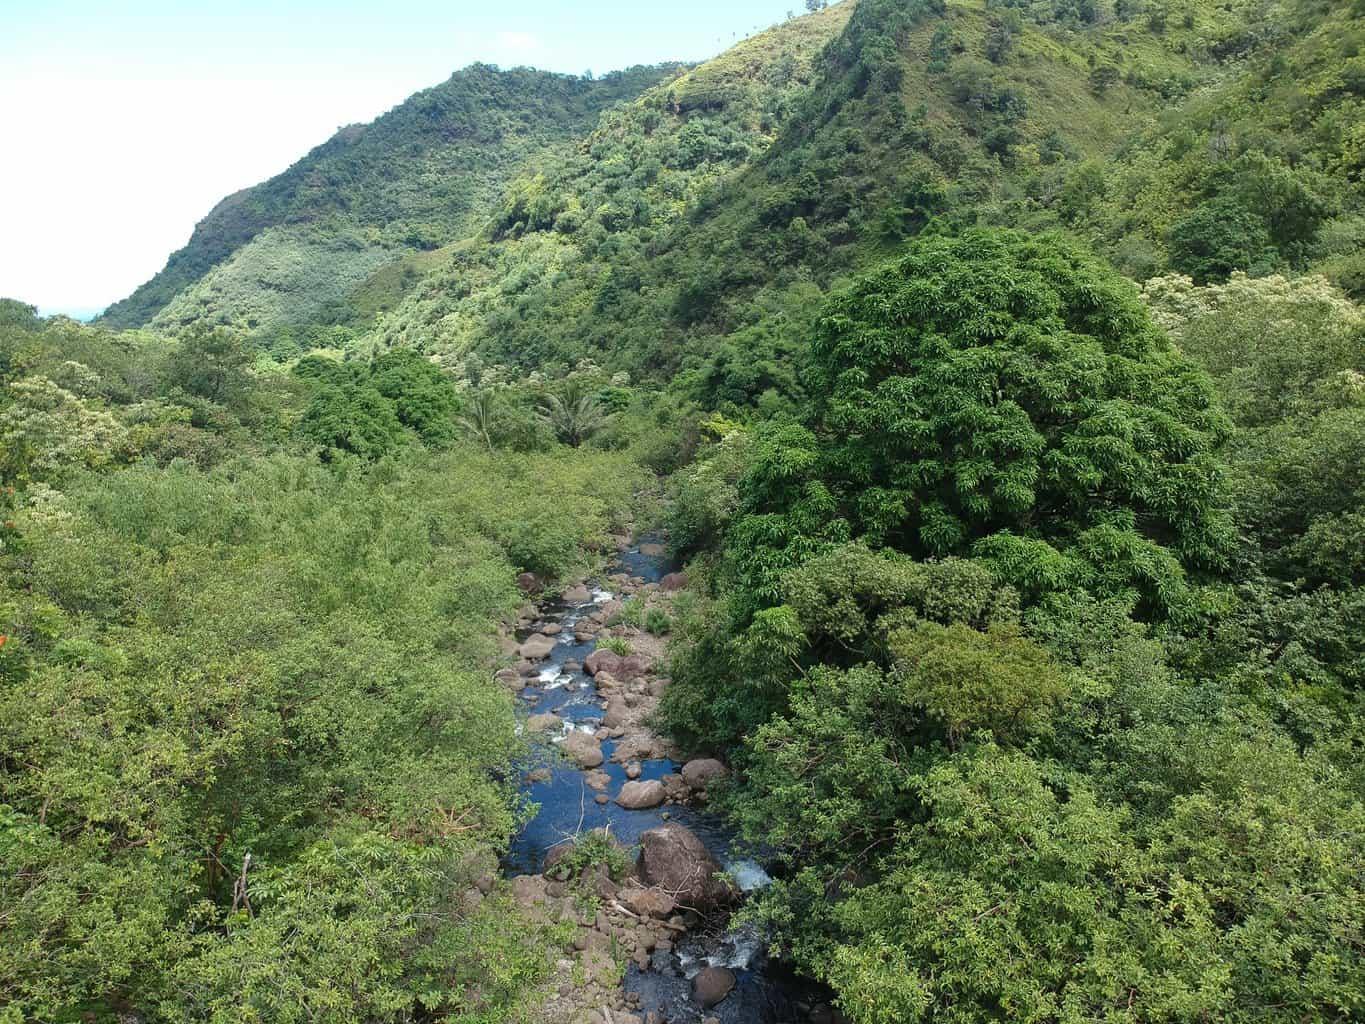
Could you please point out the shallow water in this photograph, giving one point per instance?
(566, 807)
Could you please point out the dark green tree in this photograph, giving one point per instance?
(424, 398)
(1218, 237)
(14, 313)
(352, 418)
(998, 386)
(211, 363)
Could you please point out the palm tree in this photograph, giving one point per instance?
(481, 415)
(574, 416)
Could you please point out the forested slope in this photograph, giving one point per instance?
(420, 176)
(1133, 126)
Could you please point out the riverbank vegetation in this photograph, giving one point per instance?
(252, 756)
(1042, 674)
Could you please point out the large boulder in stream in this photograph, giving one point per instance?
(712, 985)
(641, 745)
(640, 796)
(536, 647)
(583, 750)
(578, 594)
(648, 903)
(630, 667)
(675, 860)
(546, 722)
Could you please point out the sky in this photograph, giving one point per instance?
(124, 121)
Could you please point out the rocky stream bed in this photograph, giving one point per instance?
(599, 768)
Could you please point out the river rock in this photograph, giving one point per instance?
(600, 968)
(712, 984)
(597, 779)
(599, 879)
(511, 678)
(642, 745)
(633, 666)
(529, 582)
(528, 890)
(536, 647)
(552, 629)
(674, 859)
(583, 750)
(701, 772)
(554, 855)
(577, 594)
(634, 770)
(653, 903)
(640, 796)
(674, 787)
(602, 660)
(617, 714)
(544, 723)
(674, 581)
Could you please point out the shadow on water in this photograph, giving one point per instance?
(565, 806)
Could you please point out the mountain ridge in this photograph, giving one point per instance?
(858, 126)
(401, 175)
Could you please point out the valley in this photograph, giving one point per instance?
(863, 528)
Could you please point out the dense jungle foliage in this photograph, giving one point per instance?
(1004, 365)
(224, 652)
(1041, 673)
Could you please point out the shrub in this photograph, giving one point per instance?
(616, 644)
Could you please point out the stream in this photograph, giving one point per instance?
(764, 991)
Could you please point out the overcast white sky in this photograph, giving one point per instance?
(124, 122)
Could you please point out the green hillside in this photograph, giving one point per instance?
(417, 177)
(1120, 122)
(575, 261)
(647, 235)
